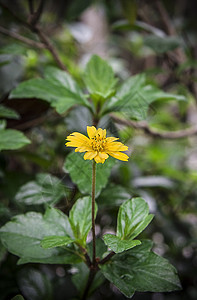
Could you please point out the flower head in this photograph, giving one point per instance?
(97, 146)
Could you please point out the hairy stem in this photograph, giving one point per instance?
(93, 214)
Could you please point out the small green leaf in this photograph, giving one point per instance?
(99, 78)
(80, 219)
(162, 44)
(45, 189)
(133, 217)
(58, 88)
(55, 241)
(23, 234)
(11, 139)
(117, 245)
(80, 171)
(138, 269)
(6, 112)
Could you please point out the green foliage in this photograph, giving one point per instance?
(133, 218)
(135, 96)
(18, 297)
(6, 112)
(23, 234)
(99, 79)
(141, 270)
(162, 44)
(58, 88)
(11, 139)
(45, 189)
(81, 219)
(81, 172)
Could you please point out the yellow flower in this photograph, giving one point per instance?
(97, 146)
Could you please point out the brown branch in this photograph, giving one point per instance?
(154, 133)
(106, 258)
(21, 38)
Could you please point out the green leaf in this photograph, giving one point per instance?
(23, 234)
(6, 112)
(81, 219)
(117, 245)
(80, 171)
(134, 98)
(133, 218)
(45, 189)
(162, 44)
(11, 139)
(140, 270)
(58, 88)
(18, 297)
(99, 78)
(113, 195)
(34, 284)
(55, 241)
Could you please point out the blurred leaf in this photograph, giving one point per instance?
(3, 124)
(113, 195)
(162, 44)
(23, 234)
(14, 49)
(80, 218)
(35, 285)
(18, 297)
(55, 241)
(140, 270)
(10, 73)
(80, 171)
(6, 112)
(99, 78)
(133, 218)
(2, 252)
(118, 245)
(45, 189)
(58, 88)
(11, 139)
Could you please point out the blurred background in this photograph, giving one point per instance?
(157, 38)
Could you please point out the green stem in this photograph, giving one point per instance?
(93, 213)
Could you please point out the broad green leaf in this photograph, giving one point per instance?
(6, 112)
(23, 234)
(11, 139)
(134, 98)
(55, 241)
(117, 245)
(81, 219)
(80, 171)
(58, 88)
(162, 44)
(138, 269)
(132, 218)
(45, 189)
(99, 78)
(34, 284)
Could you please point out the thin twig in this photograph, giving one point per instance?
(154, 133)
(93, 213)
(21, 38)
(89, 282)
(106, 258)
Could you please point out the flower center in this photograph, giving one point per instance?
(98, 143)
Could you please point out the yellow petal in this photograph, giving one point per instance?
(119, 155)
(111, 139)
(101, 132)
(116, 146)
(103, 155)
(89, 155)
(91, 130)
(98, 159)
(77, 136)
